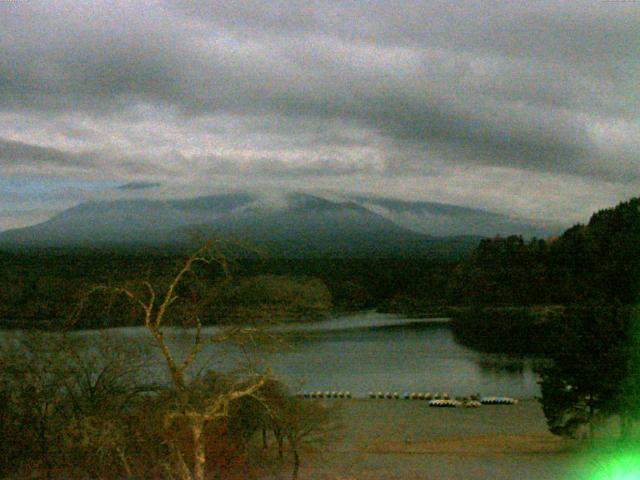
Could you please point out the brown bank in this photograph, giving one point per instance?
(398, 439)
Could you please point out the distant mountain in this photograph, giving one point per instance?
(295, 225)
(443, 219)
(124, 221)
(309, 226)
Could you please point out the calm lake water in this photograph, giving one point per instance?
(364, 352)
(373, 351)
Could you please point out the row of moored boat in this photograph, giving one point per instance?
(325, 394)
(435, 399)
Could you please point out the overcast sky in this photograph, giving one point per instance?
(529, 108)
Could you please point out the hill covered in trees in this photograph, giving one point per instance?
(572, 300)
(516, 291)
(597, 262)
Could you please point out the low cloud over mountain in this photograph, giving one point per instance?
(292, 224)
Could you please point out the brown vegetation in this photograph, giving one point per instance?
(72, 409)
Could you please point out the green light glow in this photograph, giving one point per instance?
(623, 465)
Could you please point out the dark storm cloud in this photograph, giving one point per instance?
(18, 157)
(137, 186)
(546, 87)
(18, 153)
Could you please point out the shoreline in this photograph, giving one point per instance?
(408, 440)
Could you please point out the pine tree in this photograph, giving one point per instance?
(592, 371)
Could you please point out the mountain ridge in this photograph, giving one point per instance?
(297, 224)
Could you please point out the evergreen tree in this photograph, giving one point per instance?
(593, 369)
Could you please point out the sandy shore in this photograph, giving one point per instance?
(396, 439)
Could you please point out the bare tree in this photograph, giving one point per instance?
(306, 424)
(156, 306)
(303, 424)
(64, 393)
(33, 377)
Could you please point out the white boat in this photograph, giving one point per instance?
(444, 403)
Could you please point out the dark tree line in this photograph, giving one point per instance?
(41, 288)
(597, 262)
(591, 273)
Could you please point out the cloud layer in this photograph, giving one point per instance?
(477, 101)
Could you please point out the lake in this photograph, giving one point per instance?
(368, 351)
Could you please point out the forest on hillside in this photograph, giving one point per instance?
(597, 262)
